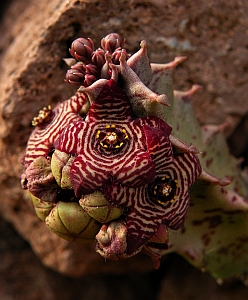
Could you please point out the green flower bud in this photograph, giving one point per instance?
(99, 208)
(61, 165)
(71, 222)
(42, 208)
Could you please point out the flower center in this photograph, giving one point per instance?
(163, 190)
(43, 116)
(166, 189)
(111, 137)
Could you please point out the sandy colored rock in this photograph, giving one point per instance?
(35, 37)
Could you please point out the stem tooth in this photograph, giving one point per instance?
(205, 176)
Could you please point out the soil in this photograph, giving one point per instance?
(35, 36)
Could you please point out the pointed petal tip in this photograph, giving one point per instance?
(192, 149)
(162, 99)
(179, 59)
(69, 61)
(186, 96)
(195, 88)
(176, 61)
(224, 181)
(181, 146)
(114, 73)
(213, 129)
(143, 44)
(94, 89)
(205, 176)
(82, 89)
(156, 263)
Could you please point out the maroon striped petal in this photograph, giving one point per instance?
(184, 170)
(111, 104)
(86, 176)
(169, 193)
(136, 170)
(159, 147)
(43, 137)
(119, 194)
(72, 139)
(154, 122)
(140, 228)
(116, 147)
(143, 216)
(147, 211)
(190, 165)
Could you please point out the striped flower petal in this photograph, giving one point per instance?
(86, 177)
(111, 104)
(136, 170)
(165, 200)
(41, 141)
(109, 144)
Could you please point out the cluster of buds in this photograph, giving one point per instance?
(93, 64)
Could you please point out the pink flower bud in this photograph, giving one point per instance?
(111, 42)
(82, 49)
(89, 79)
(98, 57)
(76, 74)
(92, 69)
(117, 54)
(80, 67)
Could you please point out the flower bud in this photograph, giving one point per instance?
(92, 69)
(115, 57)
(61, 166)
(99, 208)
(112, 241)
(111, 42)
(42, 208)
(82, 49)
(72, 223)
(74, 77)
(98, 57)
(89, 79)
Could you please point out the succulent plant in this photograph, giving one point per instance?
(116, 163)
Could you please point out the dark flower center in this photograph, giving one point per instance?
(111, 137)
(163, 190)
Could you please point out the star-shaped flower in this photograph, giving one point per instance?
(38, 178)
(109, 144)
(165, 200)
(49, 124)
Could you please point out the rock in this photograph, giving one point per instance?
(35, 37)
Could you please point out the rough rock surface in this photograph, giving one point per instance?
(35, 36)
